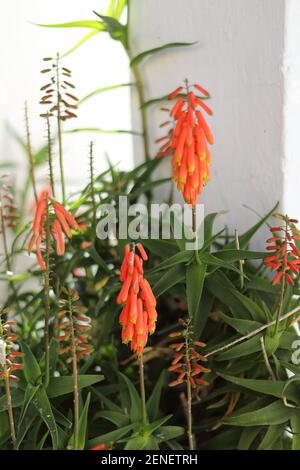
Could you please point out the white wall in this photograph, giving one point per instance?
(239, 58)
(291, 71)
(100, 62)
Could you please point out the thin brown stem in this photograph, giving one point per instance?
(30, 153)
(9, 406)
(281, 299)
(93, 195)
(75, 375)
(241, 261)
(253, 333)
(189, 415)
(47, 298)
(75, 398)
(142, 390)
(4, 237)
(59, 131)
(189, 391)
(282, 286)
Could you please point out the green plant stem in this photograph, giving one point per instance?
(9, 406)
(47, 298)
(189, 391)
(142, 390)
(93, 195)
(194, 228)
(141, 97)
(241, 261)
(282, 285)
(30, 153)
(75, 376)
(59, 132)
(281, 299)
(189, 415)
(4, 237)
(50, 159)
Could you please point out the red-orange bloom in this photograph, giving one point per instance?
(138, 316)
(186, 358)
(61, 221)
(187, 141)
(284, 254)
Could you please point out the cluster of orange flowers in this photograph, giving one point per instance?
(61, 221)
(188, 142)
(8, 352)
(138, 317)
(285, 256)
(186, 357)
(72, 327)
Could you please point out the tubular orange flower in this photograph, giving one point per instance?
(61, 221)
(188, 142)
(138, 316)
(285, 256)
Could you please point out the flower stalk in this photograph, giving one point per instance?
(30, 153)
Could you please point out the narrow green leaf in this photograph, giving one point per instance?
(112, 436)
(137, 59)
(135, 401)
(246, 348)
(195, 275)
(102, 131)
(272, 435)
(102, 90)
(85, 38)
(179, 257)
(75, 24)
(82, 427)
(275, 413)
(32, 371)
(247, 437)
(115, 417)
(169, 279)
(154, 399)
(42, 404)
(166, 433)
(62, 385)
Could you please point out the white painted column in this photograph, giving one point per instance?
(248, 57)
